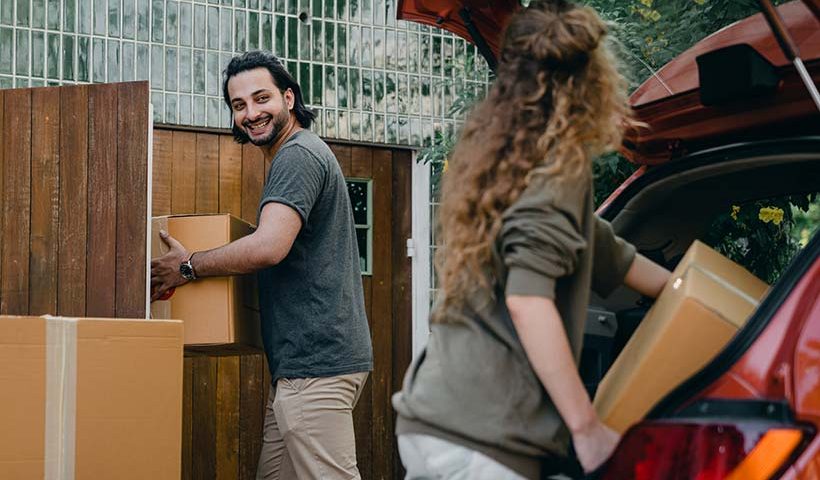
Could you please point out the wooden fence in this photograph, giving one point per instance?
(73, 199)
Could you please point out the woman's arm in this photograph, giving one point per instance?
(646, 277)
(539, 326)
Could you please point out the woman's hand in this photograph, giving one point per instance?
(594, 445)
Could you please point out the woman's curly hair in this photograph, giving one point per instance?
(557, 102)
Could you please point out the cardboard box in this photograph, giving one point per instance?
(90, 398)
(707, 300)
(215, 310)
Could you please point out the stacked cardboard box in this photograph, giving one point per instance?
(707, 300)
(216, 310)
(90, 398)
(225, 374)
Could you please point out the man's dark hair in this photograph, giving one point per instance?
(281, 78)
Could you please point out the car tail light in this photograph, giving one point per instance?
(703, 451)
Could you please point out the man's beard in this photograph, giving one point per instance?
(278, 123)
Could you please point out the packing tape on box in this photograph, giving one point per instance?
(61, 397)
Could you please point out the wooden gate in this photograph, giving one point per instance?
(387, 299)
(207, 172)
(73, 200)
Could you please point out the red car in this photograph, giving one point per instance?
(730, 122)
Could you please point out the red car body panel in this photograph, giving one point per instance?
(807, 383)
(617, 192)
(679, 123)
(489, 17)
(784, 361)
(680, 74)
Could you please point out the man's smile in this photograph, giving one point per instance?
(257, 126)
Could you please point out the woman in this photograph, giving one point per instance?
(497, 394)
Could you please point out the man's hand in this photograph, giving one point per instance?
(165, 269)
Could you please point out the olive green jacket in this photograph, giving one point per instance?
(473, 384)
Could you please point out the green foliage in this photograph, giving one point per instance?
(608, 172)
(806, 220)
(436, 156)
(765, 235)
(467, 90)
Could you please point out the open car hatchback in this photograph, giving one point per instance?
(731, 126)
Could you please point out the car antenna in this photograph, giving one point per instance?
(788, 45)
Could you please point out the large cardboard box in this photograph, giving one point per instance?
(90, 398)
(706, 301)
(215, 310)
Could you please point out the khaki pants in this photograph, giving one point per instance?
(309, 429)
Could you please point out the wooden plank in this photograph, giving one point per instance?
(45, 201)
(343, 156)
(251, 419)
(363, 158)
(253, 180)
(72, 267)
(361, 162)
(207, 173)
(381, 318)
(230, 176)
(363, 413)
(102, 200)
(187, 414)
(132, 198)
(402, 284)
(183, 172)
(14, 258)
(162, 173)
(227, 418)
(203, 413)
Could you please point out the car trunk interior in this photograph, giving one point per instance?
(675, 204)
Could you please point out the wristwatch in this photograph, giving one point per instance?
(186, 269)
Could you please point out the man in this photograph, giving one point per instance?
(314, 326)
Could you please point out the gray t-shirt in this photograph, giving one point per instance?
(313, 316)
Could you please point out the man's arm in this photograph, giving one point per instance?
(646, 277)
(271, 242)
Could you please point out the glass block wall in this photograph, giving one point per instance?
(369, 77)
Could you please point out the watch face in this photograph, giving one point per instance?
(186, 270)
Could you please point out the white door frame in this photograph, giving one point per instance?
(420, 246)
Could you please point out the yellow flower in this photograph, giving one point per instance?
(771, 214)
(648, 3)
(804, 237)
(446, 164)
(735, 211)
(648, 13)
